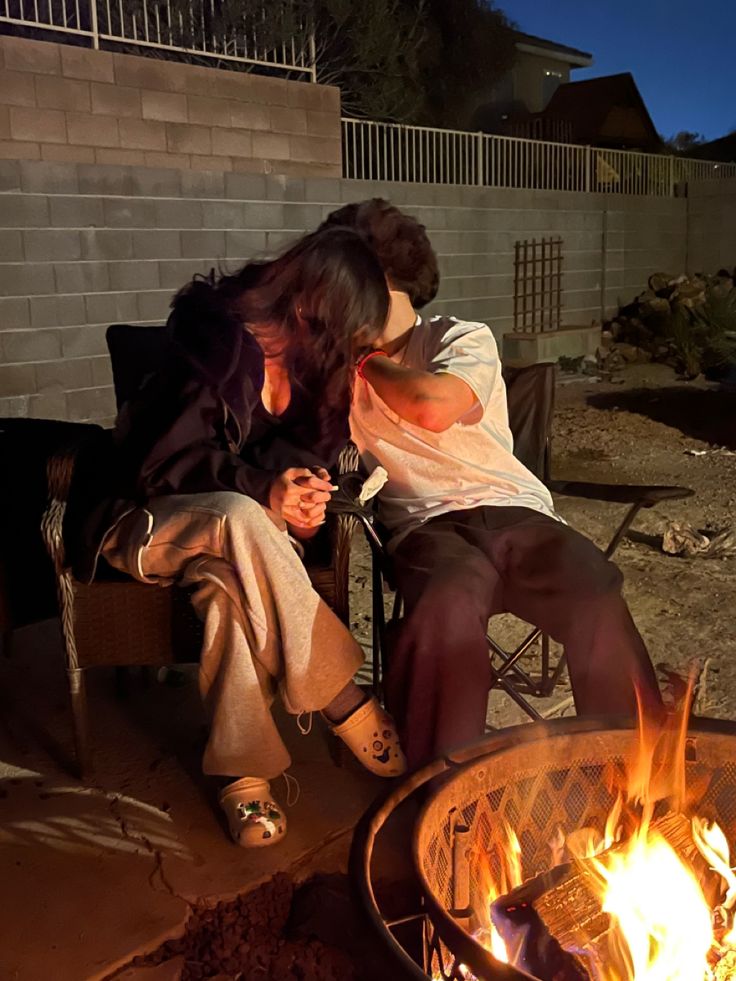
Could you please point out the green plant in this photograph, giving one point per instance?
(704, 336)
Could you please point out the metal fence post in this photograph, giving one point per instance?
(671, 169)
(587, 158)
(479, 158)
(93, 24)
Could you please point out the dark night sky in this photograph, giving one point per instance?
(682, 53)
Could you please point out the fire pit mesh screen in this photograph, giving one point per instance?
(562, 784)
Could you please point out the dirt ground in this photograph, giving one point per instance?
(643, 429)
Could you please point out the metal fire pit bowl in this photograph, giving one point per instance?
(537, 779)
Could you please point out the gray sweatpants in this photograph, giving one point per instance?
(266, 630)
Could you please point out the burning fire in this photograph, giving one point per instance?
(670, 903)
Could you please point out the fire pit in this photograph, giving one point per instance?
(502, 814)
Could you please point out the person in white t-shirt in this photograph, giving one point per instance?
(472, 532)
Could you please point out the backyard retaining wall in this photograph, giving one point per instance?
(711, 216)
(85, 245)
(65, 103)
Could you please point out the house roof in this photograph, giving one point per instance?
(594, 104)
(723, 149)
(538, 45)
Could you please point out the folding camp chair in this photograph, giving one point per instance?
(531, 395)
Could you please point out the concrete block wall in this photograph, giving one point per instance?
(711, 226)
(84, 245)
(63, 103)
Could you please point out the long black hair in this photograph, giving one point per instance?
(319, 303)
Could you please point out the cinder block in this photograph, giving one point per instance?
(92, 130)
(10, 175)
(207, 245)
(67, 374)
(307, 95)
(145, 73)
(323, 124)
(283, 188)
(245, 187)
(76, 212)
(94, 66)
(19, 150)
(4, 122)
(85, 341)
(62, 93)
(268, 214)
(156, 159)
(184, 138)
(17, 88)
(15, 313)
(67, 154)
(249, 115)
(208, 111)
(31, 345)
(288, 119)
(136, 275)
(232, 142)
(156, 245)
(202, 185)
(245, 244)
(11, 245)
(101, 372)
(38, 177)
(57, 311)
(302, 216)
(164, 106)
(154, 305)
(223, 214)
(15, 407)
(17, 379)
(48, 405)
(249, 165)
(278, 241)
(328, 191)
(81, 277)
(174, 273)
(120, 157)
(44, 125)
(106, 243)
(198, 80)
(111, 308)
(182, 213)
(158, 182)
(37, 57)
(273, 146)
(203, 163)
(48, 244)
(90, 404)
(130, 213)
(106, 180)
(116, 100)
(142, 134)
(26, 279)
(316, 149)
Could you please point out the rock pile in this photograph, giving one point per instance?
(675, 320)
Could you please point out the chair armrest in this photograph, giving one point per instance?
(647, 495)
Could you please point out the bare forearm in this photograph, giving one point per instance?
(430, 401)
(407, 391)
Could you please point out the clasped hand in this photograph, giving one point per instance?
(300, 497)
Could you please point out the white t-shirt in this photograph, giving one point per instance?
(471, 463)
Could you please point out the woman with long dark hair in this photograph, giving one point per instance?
(222, 453)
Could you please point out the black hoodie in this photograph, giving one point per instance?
(196, 425)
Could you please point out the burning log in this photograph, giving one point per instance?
(554, 925)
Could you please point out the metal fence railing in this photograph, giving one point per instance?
(255, 36)
(395, 152)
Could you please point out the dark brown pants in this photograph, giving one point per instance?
(457, 571)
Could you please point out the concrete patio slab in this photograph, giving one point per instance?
(93, 874)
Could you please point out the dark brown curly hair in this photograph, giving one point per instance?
(400, 242)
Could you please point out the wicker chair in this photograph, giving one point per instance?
(124, 623)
